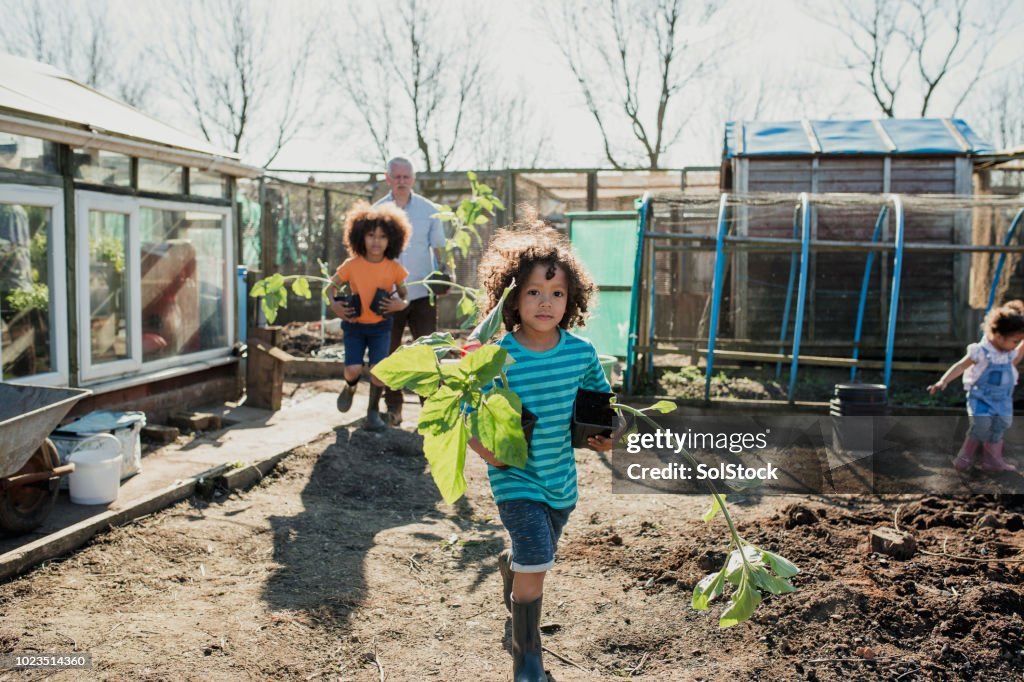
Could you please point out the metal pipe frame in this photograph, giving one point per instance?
(1002, 260)
(894, 297)
(645, 204)
(865, 283)
(789, 295)
(801, 295)
(716, 292)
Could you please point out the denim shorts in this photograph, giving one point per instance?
(360, 337)
(534, 528)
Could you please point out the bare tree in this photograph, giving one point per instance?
(78, 38)
(507, 132)
(633, 62)
(999, 111)
(907, 50)
(411, 83)
(241, 73)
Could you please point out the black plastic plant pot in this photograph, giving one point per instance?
(440, 289)
(351, 300)
(862, 393)
(378, 300)
(592, 415)
(529, 421)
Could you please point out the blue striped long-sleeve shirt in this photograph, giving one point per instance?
(546, 383)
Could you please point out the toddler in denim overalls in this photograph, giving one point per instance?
(990, 376)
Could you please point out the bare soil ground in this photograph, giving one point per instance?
(344, 564)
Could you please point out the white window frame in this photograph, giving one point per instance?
(227, 303)
(85, 203)
(52, 198)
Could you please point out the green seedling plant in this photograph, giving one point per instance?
(458, 405)
(749, 568)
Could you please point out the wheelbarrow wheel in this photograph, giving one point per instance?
(24, 508)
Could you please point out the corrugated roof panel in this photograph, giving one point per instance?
(921, 136)
(783, 137)
(908, 136)
(849, 137)
(978, 144)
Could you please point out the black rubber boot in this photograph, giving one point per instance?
(505, 568)
(373, 419)
(527, 658)
(345, 397)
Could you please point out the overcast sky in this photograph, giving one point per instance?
(775, 46)
(775, 43)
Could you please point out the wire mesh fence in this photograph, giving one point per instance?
(947, 258)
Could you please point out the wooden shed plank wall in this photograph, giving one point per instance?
(933, 285)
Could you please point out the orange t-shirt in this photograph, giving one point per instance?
(364, 278)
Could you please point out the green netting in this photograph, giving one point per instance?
(606, 243)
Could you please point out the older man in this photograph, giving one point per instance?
(421, 256)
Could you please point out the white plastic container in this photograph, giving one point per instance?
(97, 475)
(125, 426)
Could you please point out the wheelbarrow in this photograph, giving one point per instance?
(30, 468)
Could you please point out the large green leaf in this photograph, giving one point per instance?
(782, 566)
(743, 603)
(441, 342)
(766, 581)
(736, 567)
(301, 287)
(466, 307)
(709, 587)
(463, 241)
(498, 425)
(452, 375)
(663, 406)
(446, 452)
(441, 411)
(492, 323)
(412, 367)
(482, 365)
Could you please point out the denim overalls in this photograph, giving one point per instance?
(990, 401)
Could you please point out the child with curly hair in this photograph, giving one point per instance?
(552, 294)
(375, 235)
(990, 374)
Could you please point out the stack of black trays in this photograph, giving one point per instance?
(859, 400)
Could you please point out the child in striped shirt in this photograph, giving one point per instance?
(552, 294)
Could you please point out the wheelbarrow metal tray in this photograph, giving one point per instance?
(27, 416)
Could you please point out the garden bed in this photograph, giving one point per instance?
(814, 384)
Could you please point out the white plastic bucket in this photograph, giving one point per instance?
(97, 475)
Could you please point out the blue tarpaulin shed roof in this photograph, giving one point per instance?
(884, 136)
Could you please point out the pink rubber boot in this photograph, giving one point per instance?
(965, 458)
(992, 459)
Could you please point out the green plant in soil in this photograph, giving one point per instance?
(459, 405)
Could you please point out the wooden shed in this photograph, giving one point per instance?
(874, 158)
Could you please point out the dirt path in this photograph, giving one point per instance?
(345, 561)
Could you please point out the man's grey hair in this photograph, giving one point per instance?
(400, 161)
